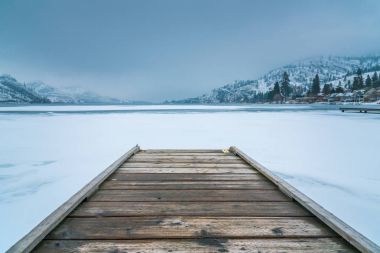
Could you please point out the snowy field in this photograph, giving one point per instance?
(49, 153)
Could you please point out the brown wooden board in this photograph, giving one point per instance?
(184, 177)
(112, 228)
(256, 209)
(219, 157)
(31, 239)
(352, 236)
(182, 165)
(186, 160)
(181, 151)
(186, 170)
(190, 201)
(189, 195)
(201, 245)
(184, 154)
(186, 185)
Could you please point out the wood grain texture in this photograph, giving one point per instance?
(184, 177)
(186, 185)
(200, 245)
(220, 157)
(186, 170)
(113, 228)
(255, 209)
(188, 195)
(181, 151)
(191, 201)
(351, 235)
(182, 165)
(213, 160)
(185, 154)
(30, 240)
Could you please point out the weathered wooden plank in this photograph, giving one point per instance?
(193, 157)
(190, 200)
(186, 170)
(30, 240)
(189, 195)
(186, 185)
(181, 151)
(186, 160)
(352, 236)
(113, 228)
(185, 154)
(200, 245)
(185, 177)
(182, 165)
(211, 208)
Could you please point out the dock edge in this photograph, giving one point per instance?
(352, 236)
(30, 240)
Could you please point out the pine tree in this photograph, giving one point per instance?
(348, 85)
(368, 81)
(326, 89)
(375, 80)
(360, 80)
(277, 92)
(355, 84)
(276, 89)
(285, 85)
(269, 95)
(316, 86)
(339, 89)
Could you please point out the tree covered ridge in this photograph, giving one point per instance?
(327, 75)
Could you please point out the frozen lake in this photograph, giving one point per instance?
(47, 153)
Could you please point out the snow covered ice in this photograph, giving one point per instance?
(47, 153)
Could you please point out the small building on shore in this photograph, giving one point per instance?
(372, 95)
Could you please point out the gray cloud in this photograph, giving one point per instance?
(156, 50)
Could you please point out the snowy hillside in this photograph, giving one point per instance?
(12, 91)
(330, 70)
(69, 94)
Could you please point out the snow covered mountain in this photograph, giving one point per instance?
(330, 70)
(12, 91)
(69, 94)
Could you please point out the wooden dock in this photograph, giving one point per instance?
(190, 201)
(361, 109)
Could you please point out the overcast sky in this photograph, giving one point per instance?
(156, 50)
